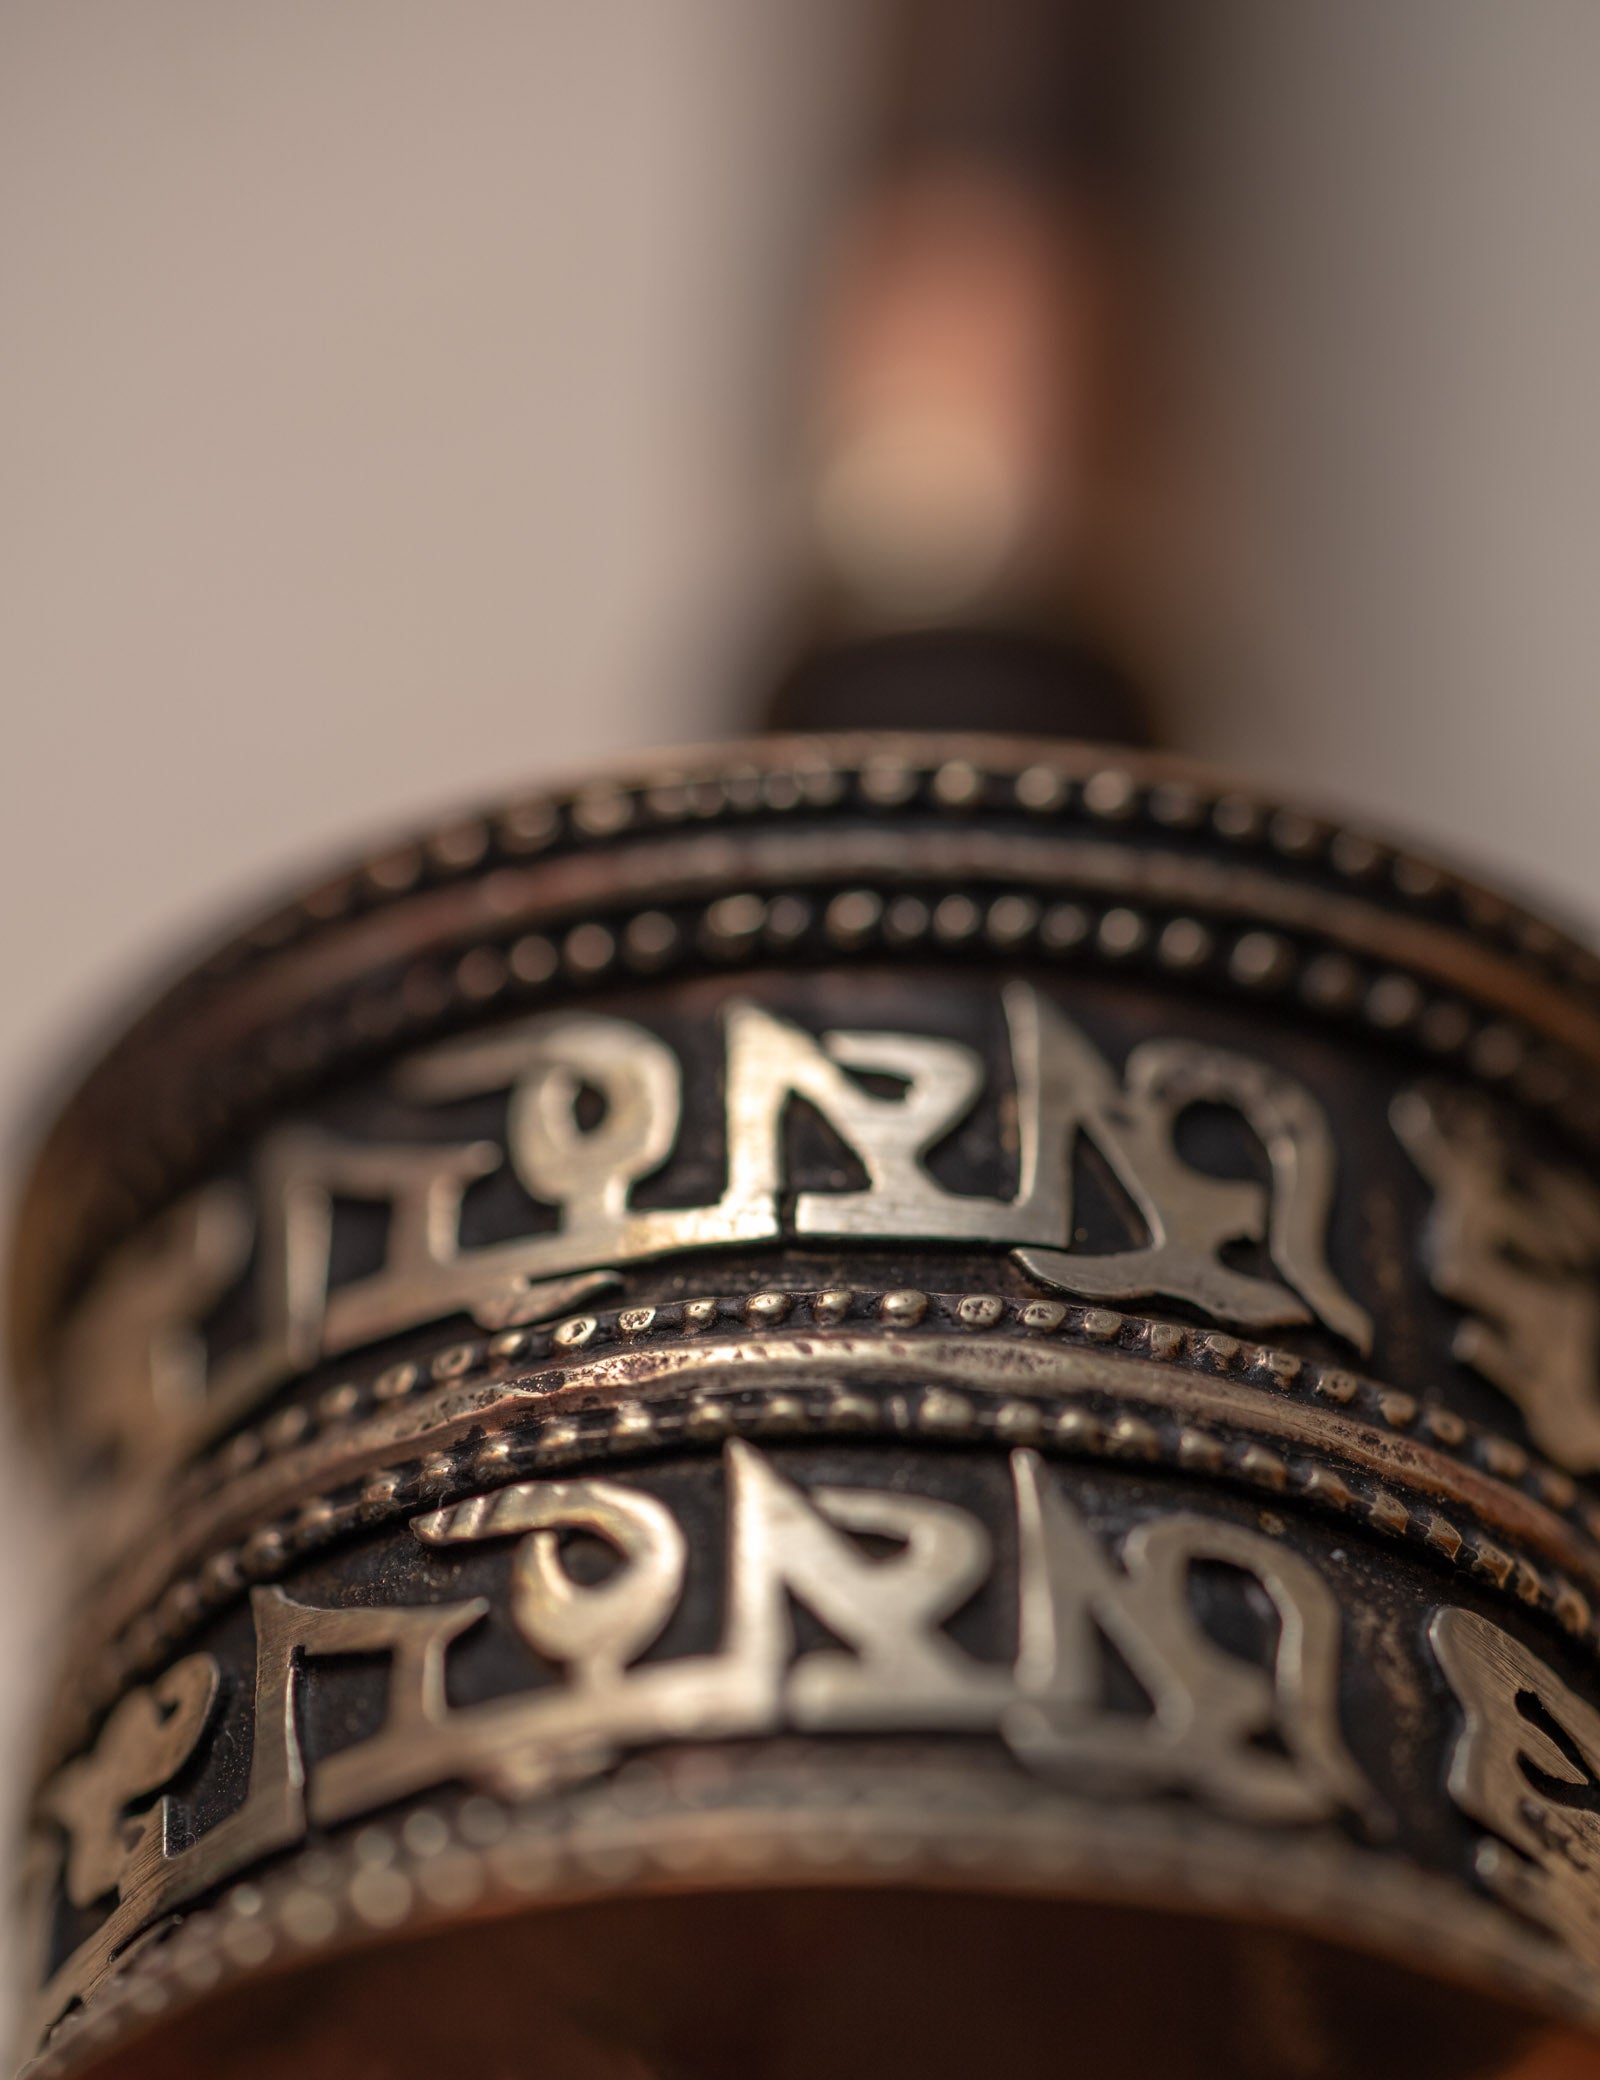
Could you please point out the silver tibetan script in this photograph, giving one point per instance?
(1517, 1247)
(1526, 1766)
(1258, 1739)
(586, 1169)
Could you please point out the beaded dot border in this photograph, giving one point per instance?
(1136, 1335)
(889, 780)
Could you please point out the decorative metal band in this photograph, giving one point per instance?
(1269, 1679)
(1147, 1391)
(891, 776)
(906, 1312)
(1115, 1144)
(559, 891)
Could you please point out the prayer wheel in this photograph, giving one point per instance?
(859, 1405)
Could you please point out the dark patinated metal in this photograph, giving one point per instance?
(854, 1405)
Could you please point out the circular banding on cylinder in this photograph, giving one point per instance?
(1026, 1322)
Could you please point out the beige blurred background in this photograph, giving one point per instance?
(389, 395)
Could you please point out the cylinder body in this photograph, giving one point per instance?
(854, 1404)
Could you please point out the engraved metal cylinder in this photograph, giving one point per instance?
(853, 1405)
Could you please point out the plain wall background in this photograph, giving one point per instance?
(385, 393)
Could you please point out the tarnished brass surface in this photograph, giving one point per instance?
(863, 1405)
